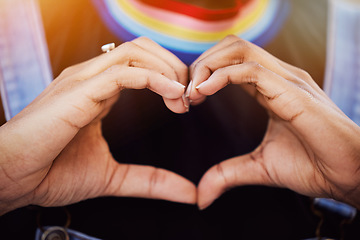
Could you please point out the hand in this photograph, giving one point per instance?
(310, 146)
(53, 152)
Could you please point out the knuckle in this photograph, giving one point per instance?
(144, 39)
(220, 72)
(147, 82)
(128, 47)
(131, 61)
(128, 44)
(256, 67)
(112, 69)
(157, 177)
(242, 45)
(200, 64)
(253, 73)
(231, 37)
(241, 51)
(68, 71)
(304, 74)
(130, 54)
(220, 172)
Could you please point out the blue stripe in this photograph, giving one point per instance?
(127, 29)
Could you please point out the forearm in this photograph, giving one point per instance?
(10, 205)
(11, 187)
(18, 178)
(11, 190)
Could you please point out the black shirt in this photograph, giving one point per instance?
(141, 130)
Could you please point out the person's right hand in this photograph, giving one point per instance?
(53, 152)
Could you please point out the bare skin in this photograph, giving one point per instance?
(71, 160)
(310, 146)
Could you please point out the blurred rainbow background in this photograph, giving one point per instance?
(189, 35)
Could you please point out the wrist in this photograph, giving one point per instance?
(8, 206)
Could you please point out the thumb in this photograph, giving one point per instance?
(130, 180)
(242, 170)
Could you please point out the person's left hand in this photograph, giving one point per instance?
(310, 146)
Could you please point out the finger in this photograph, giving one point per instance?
(107, 107)
(231, 41)
(133, 55)
(220, 45)
(127, 54)
(223, 43)
(293, 102)
(235, 52)
(174, 62)
(78, 103)
(180, 69)
(237, 171)
(286, 99)
(73, 104)
(117, 77)
(176, 105)
(301, 74)
(150, 182)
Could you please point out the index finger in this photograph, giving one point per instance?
(175, 63)
(179, 68)
(232, 51)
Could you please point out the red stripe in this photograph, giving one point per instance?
(195, 11)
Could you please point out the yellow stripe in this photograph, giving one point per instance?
(192, 35)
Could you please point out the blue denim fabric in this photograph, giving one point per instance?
(341, 209)
(24, 62)
(73, 235)
(342, 76)
(342, 79)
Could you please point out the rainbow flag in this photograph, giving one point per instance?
(188, 30)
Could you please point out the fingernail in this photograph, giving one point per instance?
(188, 90)
(199, 86)
(179, 84)
(186, 102)
(203, 206)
